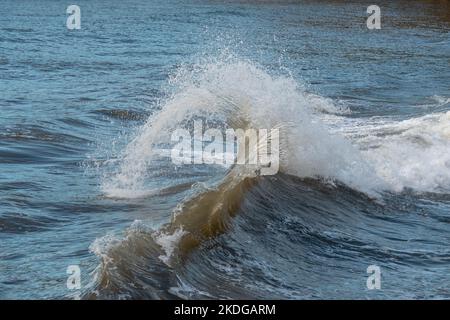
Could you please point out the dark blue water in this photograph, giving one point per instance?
(73, 100)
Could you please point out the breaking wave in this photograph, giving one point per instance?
(321, 148)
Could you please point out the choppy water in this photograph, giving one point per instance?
(365, 167)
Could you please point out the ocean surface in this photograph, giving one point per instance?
(85, 126)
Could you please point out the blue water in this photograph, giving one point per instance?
(72, 100)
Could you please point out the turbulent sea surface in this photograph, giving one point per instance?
(87, 115)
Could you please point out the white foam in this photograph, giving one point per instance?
(413, 153)
(102, 246)
(168, 243)
(371, 156)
